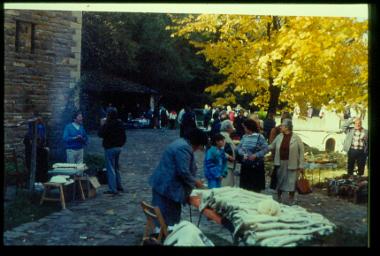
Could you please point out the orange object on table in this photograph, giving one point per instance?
(208, 212)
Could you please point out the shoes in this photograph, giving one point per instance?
(110, 193)
(120, 189)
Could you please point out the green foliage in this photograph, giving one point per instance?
(26, 208)
(262, 114)
(10, 167)
(139, 48)
(94, 161)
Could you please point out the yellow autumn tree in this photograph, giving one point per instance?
(320, 60)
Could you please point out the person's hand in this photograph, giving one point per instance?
(230, 158)
(103, 121)
(252, 157)
(199, 184)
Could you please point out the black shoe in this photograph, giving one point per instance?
(120, 189)
(110, 193)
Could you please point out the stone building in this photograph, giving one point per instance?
(42, 53)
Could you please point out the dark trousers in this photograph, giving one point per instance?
(356, 156)
(42, 159)
(170, 210)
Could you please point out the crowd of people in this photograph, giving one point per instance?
(226, 161)
(235, 146)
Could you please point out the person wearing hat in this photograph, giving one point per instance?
(75, 138)
(113, 133)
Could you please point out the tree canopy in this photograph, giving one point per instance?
(282, 60)
(138, 47)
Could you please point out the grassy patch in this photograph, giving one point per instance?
(26, 208)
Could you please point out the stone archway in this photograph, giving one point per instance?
(330, 145)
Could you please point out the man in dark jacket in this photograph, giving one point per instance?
(187, 122)
(175, 176)
(238, 124)
(113, 133)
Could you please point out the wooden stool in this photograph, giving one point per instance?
(79, 179)
(47, 187)
(154, 213)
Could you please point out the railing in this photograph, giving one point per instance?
(34, 148)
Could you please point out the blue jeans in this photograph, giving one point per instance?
(112, 166)
(170, 210)
(214, 183)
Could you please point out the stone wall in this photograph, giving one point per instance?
(41, 75)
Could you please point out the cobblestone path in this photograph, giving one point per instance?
(118, 220)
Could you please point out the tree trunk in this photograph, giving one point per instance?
(274, 91)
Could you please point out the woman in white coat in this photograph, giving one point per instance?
(289, 157)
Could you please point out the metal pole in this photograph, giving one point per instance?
(33, 157)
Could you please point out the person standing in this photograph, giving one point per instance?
(251, 151)
(269, 123)
(42, 150)
(356, 145)
(207, 116)
(215, 163)
(172, 119)
(272, 135)
(260, 123)
(226, 129)
(188, 122)
(175, 176)
(163, 117)
(239, 120)
(289, 156)
(277, 130)
(113, 133)
(75, 138)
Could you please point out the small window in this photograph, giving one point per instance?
(24, 36)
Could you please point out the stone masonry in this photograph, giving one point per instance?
(42, 52)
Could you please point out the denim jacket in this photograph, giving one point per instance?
(174, 177)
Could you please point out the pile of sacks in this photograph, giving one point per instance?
(354, 189)
(259, 220)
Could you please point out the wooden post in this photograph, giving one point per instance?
(33, 157)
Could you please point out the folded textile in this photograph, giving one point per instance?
(259, 220)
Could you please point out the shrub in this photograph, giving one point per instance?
(94, 162)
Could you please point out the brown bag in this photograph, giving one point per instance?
(303, 185)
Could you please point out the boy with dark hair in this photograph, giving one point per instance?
(215, 162)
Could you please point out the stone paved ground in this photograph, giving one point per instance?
(107, 220)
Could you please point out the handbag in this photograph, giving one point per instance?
(303, 185)
(273, 178)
